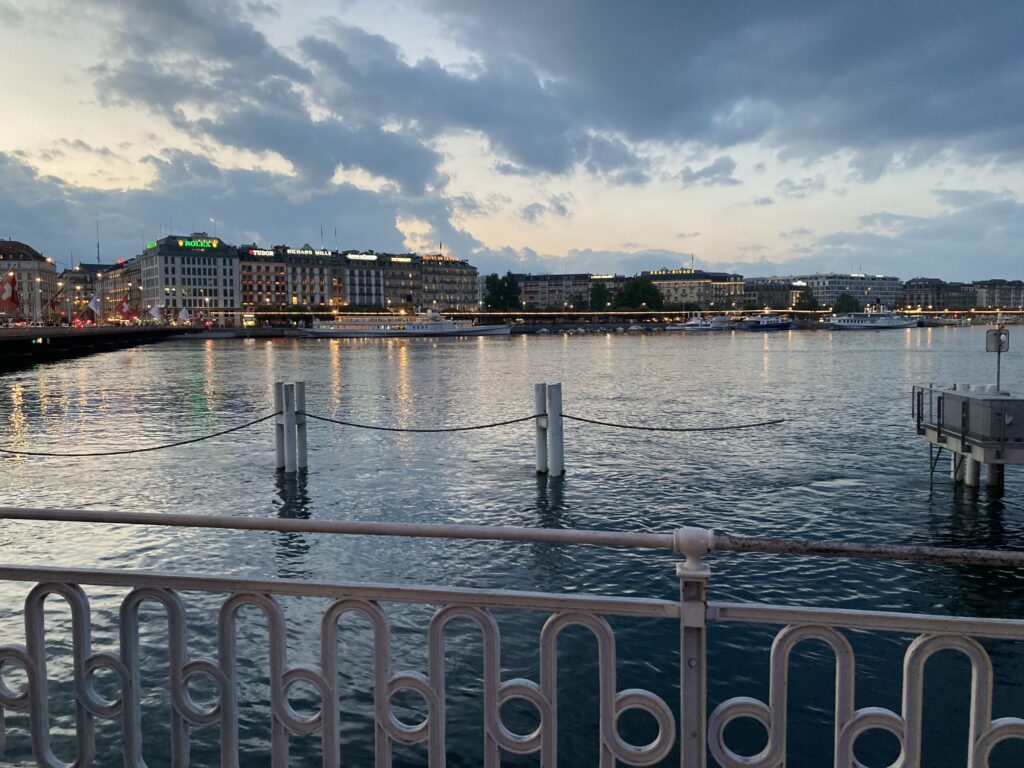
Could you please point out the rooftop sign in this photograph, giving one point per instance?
(363, 256)
(260, 252)
(402, 259)
(198, 243)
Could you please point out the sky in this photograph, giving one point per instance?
(759, 137)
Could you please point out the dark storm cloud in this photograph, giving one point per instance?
(879, 78)
(57, 218)
(717, 174)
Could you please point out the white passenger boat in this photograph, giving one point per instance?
(390, 326)
(698, 323)
(767, 323)
(870, 321)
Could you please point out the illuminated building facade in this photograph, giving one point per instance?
(36, 278)
(877, 290)
(711, 290)
(554, 291)
(448, 284)
(197, 272)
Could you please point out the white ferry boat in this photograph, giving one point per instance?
(869, 321)
(390, 326)
(767, 323)
(698, 323)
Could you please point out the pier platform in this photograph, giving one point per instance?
(20, 347)
(978, 424)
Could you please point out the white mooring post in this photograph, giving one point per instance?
(300, 425)
(556, 447)
(279, 424)
(289, 429)
(540, 407)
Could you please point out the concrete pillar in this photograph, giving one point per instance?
(301, 449)
(556, 448)
(994, 476)
(972, 472)
(290, 459)
(540, 406)
(279, 424)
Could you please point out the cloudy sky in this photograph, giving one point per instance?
(762, 137)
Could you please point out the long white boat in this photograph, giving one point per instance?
(698, 323)
(870, 321)
(391, 326)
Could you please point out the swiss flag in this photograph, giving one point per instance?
(124, 307)
(9, 301)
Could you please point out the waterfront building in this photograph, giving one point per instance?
(877, 290)
(614, 283)
(79, 286)
(121, 279)
(771, 292)
(448, 284)
(933, 293)
(999, 294)
(36, 278)
(709, 290)
(196, 272)
(554, 291)
(403, 280)
(358, 279)
(263, 283)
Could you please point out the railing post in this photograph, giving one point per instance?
(693, 575)
(556, 447)
(279, 424)
(540, 407)
(300, 425)
(289, 429)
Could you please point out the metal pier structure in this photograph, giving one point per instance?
(978, 425)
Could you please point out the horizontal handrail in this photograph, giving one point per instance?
(888, 621)
(409, 593)
(638, 540)
(351, 527)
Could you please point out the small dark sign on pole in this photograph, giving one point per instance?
(998, 340)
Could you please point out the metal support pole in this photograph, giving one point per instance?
(289, 429)
(300, 425)
(556, 447)
(540, 407)
(956, 466)
(279, 424)
(693, 575)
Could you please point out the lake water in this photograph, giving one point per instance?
(846, 464)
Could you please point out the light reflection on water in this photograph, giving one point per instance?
(845, 465)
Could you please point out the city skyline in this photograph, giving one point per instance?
(764, 140)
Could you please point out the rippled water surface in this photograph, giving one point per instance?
(846, 464)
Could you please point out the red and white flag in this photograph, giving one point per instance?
(124, 307)
(9, 300)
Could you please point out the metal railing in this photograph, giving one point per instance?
(683, 725)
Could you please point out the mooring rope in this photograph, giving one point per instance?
(411, 429)
(142, 450)
(672, 429)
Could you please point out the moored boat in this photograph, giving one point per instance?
(767, 323)
(397, 326)
(870, 321)
(698, 323)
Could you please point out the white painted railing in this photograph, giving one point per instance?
(682, 725)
